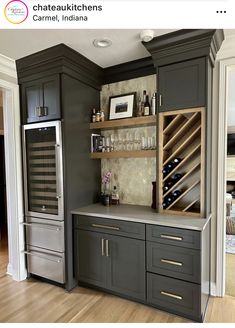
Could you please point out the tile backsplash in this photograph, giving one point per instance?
(132, 176)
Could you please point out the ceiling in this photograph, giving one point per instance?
(126, 43)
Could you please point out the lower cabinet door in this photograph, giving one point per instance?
(174, 295)
(91, 259)
(126, 266)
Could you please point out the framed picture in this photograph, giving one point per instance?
(121, 106)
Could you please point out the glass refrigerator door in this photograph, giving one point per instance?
(43, 171)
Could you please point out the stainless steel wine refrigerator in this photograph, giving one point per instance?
(44, 201)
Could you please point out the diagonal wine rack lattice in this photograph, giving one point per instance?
(182, 162)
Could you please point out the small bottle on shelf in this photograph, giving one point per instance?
(93, 115)
(147, 106)
(102, 116)
(153, 104)
(97, 116)
(115, 196)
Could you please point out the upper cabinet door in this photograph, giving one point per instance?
(41, 100)
(31, 101)
(182, 85)
(51, 98)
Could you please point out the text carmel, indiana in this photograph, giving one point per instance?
(56, 18)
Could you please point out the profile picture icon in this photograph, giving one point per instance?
(16, 11)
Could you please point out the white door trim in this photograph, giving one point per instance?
(224, 67)
(14, 185)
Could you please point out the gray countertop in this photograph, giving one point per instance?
(142, 214)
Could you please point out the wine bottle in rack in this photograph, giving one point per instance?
(176, 177)
(167, 186)
(175, 194)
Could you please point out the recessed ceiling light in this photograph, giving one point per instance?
(102, 43)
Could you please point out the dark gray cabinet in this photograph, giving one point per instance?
(91, 262)
(166, 267)
(182, 85)
(41, 99)
(126, 266)
(111, 261)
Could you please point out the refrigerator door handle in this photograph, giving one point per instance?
(55, 259)
(43, 226)
(58, 185)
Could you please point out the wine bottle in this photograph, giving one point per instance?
(147, 106)
(176, 177)
(176, 161)
(165, 205)
(176, 194)
(140, 107)
(143, 102)
(165, 171)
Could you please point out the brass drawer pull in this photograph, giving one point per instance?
(102, 246)
(104, 226)
(171, 262)
(171, 237)
(172, 295)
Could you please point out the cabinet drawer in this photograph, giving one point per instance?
(173, 236)
(172, 261)
(46, 264)
(174, 295)
(114, 227)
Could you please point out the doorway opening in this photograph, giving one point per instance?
(230, 187)
(3, 200)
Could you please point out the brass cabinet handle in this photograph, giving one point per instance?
(38, 111)
(107, 248)
(172, 295)
(172, 262)
(160, 100)
(171, 237)
(104, 226)
(102, 246)
(45, 111)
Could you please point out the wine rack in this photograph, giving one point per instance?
(182, 162)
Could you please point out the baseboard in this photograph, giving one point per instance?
(9, 269)
(213, 289)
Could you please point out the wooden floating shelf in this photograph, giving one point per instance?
(124, 154)
(125, 122)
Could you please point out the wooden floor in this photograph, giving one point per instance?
(35, 301)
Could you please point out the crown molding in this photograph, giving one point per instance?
(184, 45)
(59, 59)
(8, 66)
